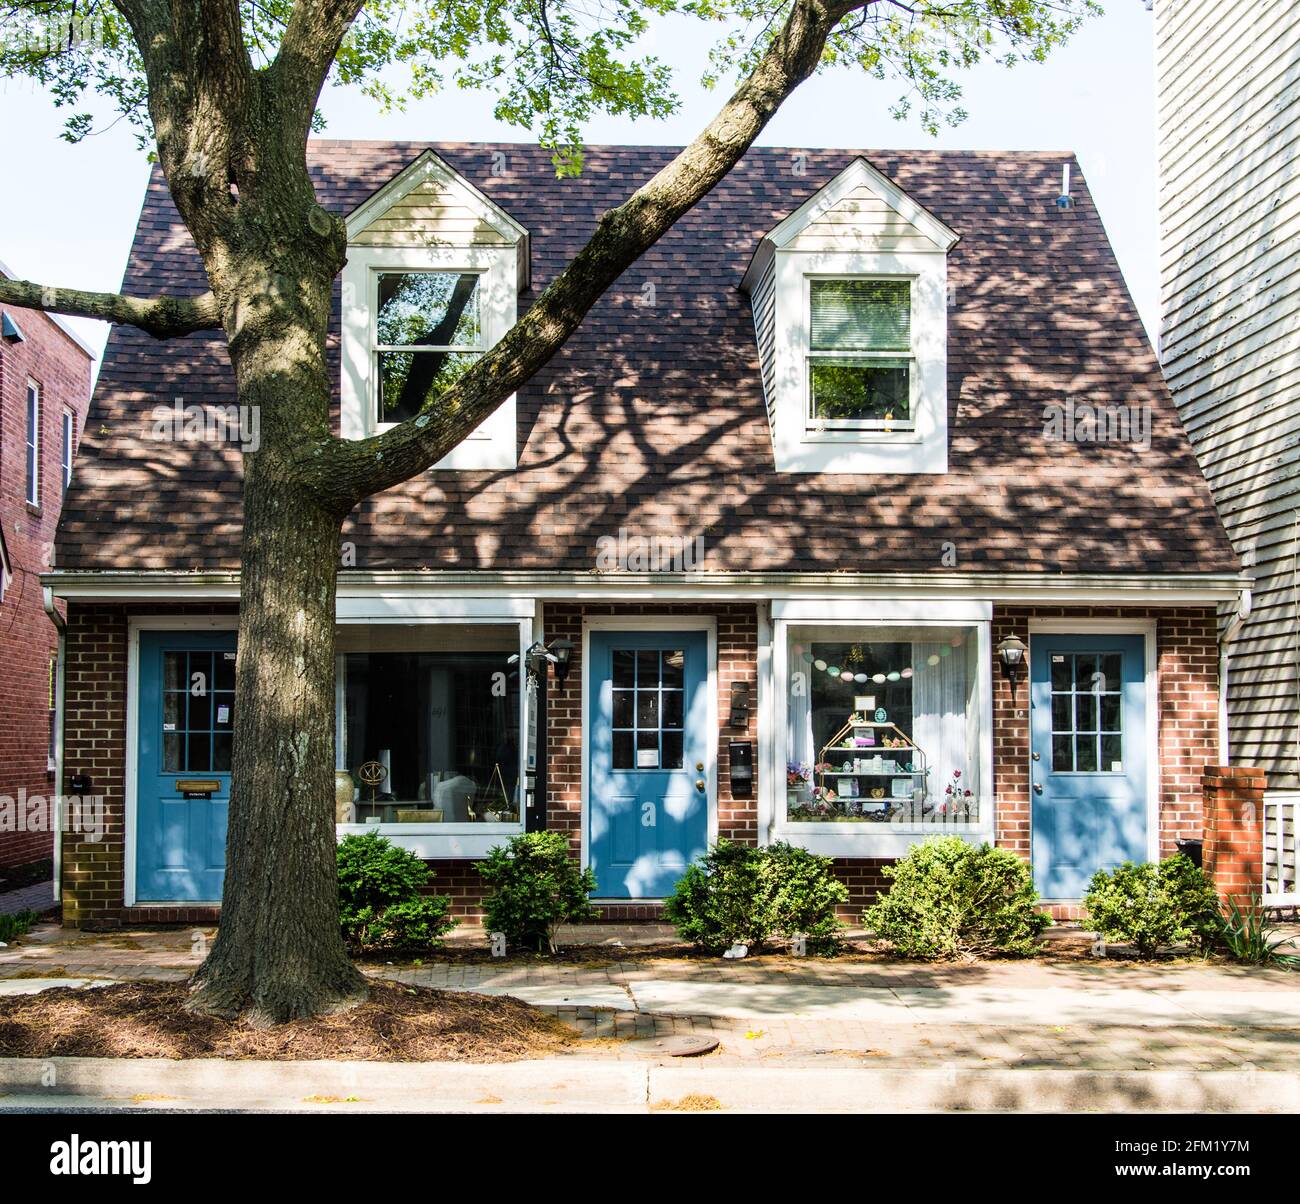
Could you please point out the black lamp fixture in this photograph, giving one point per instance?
(1011, 652)
(561, 652)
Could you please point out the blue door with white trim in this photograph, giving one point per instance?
(1088, 769)
(186, 726)
(648, 766)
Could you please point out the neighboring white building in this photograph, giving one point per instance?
(1228, 116)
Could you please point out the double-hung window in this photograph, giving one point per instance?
(860, 363)
(33, 493)
(428, 333)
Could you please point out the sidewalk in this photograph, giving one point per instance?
(1102, 1034)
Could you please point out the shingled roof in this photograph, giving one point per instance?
(652, 418)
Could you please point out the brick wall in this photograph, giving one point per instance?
(28, 639)
(1234, 830)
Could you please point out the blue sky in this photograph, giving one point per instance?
(68, 215)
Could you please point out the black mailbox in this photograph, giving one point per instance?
(741, 757)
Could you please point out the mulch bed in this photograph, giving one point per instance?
(397, 1024)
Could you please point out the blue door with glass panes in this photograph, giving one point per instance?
(1088, 768)
(186, 724)
(648, 769)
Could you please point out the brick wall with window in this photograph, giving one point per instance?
(46, 361)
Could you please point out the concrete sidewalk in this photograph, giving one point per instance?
(872, 1033)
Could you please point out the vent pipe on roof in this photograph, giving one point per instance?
(1065, 200)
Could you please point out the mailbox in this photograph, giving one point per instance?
(741, 760)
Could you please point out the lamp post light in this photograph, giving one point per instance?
(1011, 653)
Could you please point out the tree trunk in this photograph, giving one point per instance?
(279, 954)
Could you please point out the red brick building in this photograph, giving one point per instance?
(45, 374)
(857, 511)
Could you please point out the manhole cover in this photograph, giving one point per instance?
(675, 1047)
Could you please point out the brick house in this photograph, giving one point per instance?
(863, 483)
(45, 375)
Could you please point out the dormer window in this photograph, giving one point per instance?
(432, 282)
(849, 295)
(428, 332)
(860, 361)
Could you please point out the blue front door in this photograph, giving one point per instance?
(1088, 773)
(187, 706)
(648, 769)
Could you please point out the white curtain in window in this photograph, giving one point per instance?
(940, 694)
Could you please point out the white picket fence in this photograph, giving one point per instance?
(1281, 816)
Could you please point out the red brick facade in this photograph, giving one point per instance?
(60, 368)
(1187, 709)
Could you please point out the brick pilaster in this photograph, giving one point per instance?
(1234, 829)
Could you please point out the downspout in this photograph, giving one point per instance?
(61, 627)
(1225, 640)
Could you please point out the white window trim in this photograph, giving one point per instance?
(868, 840)
(457, 841)
(68, 450)
(819, 428)
(32, 444)
(802, 443)
(493, 443)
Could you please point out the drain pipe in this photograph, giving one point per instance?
(1225, 640)
(61, 626)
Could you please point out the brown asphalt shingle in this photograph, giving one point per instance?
(652, 418)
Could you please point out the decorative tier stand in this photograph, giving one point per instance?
(873, 771)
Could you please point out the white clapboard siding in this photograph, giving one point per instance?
(1228, 138)
(425, 216)
(861, 220)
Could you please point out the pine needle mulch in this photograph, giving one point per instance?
(396, 1024)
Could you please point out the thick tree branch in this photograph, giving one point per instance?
(307, 51)
(162, 317)
(344, 472)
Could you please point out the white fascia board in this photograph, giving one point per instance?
(1006, 588)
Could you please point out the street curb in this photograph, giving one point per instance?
(584, 1085)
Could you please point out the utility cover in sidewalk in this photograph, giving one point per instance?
(675, 1047)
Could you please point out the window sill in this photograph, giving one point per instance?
(849, 839)
(435, 842)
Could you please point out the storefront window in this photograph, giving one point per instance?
(883, 725)
(427, 721)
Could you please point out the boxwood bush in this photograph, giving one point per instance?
(1154, 905)
(536, 887)
(380, 904)
(747, 896)
(949, 899)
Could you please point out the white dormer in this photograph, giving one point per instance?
(849, 295)
(432, 281)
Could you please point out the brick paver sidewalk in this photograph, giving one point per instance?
(853, 1011)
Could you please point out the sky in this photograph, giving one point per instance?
(68, 213)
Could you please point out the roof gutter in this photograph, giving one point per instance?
(1225, 641)
(61, 626)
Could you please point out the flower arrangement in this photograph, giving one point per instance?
(955, 795)
(796, 774)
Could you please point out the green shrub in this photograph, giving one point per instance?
(16, 925)
(949, 898)
(1155, 904)
(747, 896)
(380, 904)
(1248, 937)
(536, 887)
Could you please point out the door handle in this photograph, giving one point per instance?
(700, 784)
(1038, 788)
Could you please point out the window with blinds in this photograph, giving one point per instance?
(860, 362)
